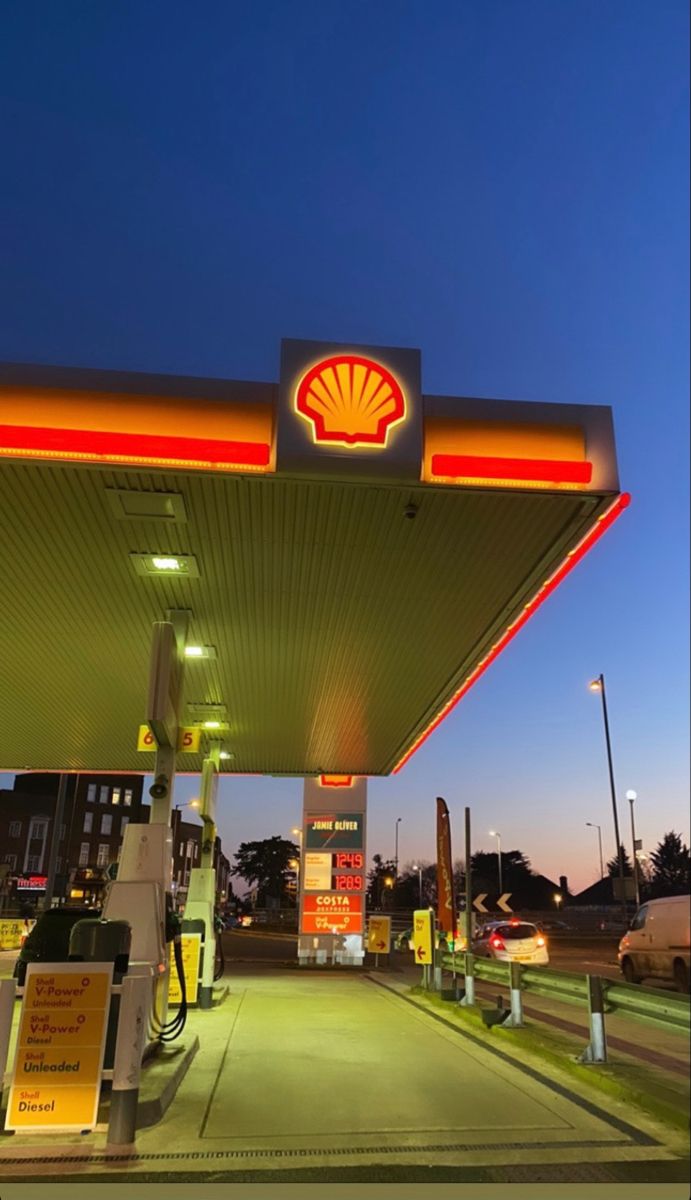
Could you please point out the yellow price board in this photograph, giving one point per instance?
(12, 933)
(189, 739)
(379, 935)
(56, 1082)
(191, 954)
(422, 935)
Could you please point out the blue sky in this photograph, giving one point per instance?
(503, 185)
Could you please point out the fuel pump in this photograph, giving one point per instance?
(199, 906)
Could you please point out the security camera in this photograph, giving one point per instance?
(159, 788)
(410, 511)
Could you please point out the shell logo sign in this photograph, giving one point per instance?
(350, 401)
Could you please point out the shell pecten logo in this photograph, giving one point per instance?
(350, 401)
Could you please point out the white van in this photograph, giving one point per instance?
(657, 944)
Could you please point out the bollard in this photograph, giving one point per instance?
(468, 999)
(135, 1003)
(596, 1050)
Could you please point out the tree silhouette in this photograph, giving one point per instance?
(613, 865)
(670, 867)
(267, 864)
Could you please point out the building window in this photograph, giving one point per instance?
(115, 798)
(11, 860)
(91, 793)
(103, 794)
(33, 863)
(124, 822)
(84, 854)
(103, 855)
(63, 831)
(88, 822)
(58, 864)
(15, 829)
(107, 823)
(38, 829)
(182, 849)
(128, 796)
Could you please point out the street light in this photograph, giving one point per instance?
(598, 685)
(493, 833)
(632, 796)
(599, 839)
(419, 879)
(395, 857)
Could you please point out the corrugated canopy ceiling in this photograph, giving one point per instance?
(340, 625)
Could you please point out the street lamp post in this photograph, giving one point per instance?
(493, 833)
(599, 841)
(598, 685)
(395, 857)
(631, 796)
(419, 880)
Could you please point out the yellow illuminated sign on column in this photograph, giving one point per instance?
(422, 935)
(56, 1082)
(191, 954)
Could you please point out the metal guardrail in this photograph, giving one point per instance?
(671, 1012)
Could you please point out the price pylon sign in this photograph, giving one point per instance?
(379, 935)
(422, 935)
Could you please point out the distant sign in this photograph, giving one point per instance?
(334, 831)
(56, 1082)
(32, 883)
(379, 935)
(191, 955)
(13, 932)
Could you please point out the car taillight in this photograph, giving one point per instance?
(540, 941)
(497, 943)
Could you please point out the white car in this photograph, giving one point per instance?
(512, 941)
(658, 944)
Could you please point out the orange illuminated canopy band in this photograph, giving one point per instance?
(335, 781)
(93, 445)
(350, 401)
(484, 467)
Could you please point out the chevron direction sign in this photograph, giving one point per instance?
(502, 902)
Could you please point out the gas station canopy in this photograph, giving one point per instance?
(352, 554)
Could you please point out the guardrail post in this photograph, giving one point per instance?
(596, 1050)
(516, 1017)
(134, 1014)
(468, 999)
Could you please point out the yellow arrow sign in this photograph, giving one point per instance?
(379, 935)
(422, 935)
(188, 739)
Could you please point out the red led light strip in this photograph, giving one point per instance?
(335, 781)
(472, 466)
(98, 445)
(574, 556)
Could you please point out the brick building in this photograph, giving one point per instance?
(97, 811)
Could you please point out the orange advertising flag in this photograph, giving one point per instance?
(446, 904)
